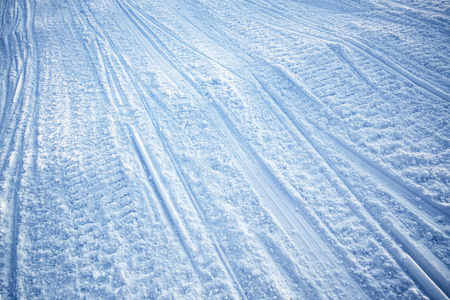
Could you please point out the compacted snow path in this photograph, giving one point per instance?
(231, 149)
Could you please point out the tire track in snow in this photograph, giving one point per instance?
(11, 163)
(391, 180)
(335, 46)
(400, 236)
(283, 211)
(7, 137)
(397, 182)
(407, 197)
(163, 198)
(13, 66)
(104, 222)
(212, 237)
(327, 34)
(424, 256)
(150, 169)
(275, 197)
(156, 49)
(258, 184)
(390, 65)
(383, 61)
(4, 7)
(154, 22)
(216, 245)
(156, 185)
(414, 9)
(419, 255)
(431, 21)
(23, 108)
(14, 78)
(285, 214)
(400, 23)
(421, 263)
(208, 35)
(341, 53)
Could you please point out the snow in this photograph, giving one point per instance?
(225, 149)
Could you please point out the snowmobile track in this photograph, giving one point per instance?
(224, 149)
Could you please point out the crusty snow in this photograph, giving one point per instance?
(224, 149)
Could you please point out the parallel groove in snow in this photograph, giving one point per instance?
(20, 102)
(244, 161)
(139, 145)
(224, 149)
(432, 267)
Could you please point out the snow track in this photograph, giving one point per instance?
(224, 149)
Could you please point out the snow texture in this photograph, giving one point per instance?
(225, 149)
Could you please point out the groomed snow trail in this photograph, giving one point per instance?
(225, 149)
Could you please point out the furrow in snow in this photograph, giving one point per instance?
(187, 187)
(326, 32)
(388, 64)
(431, 265)
(440, 206)
(394, 183)
(168, 151)
(224, 149)
(154, 22)
(163, 197)
(286, 213)
(415, 8)
(157, 186)
(17, 108)
(188, 190)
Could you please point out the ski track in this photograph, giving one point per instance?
(206, 150)
(387, 178)
(285, 213)
(418, 257)
(357, 45)
(217, 247)
(442, 281)
(147, 165)
(407, 193)
(421, 259)
(18, 101)
(158, 186)
(415, 8)
(395, 184)
(338, 44)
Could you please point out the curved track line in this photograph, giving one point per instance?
(385, 63)
(411, 190)
(418, 262)
(15, 163)
(402, 5)
(170, 33)
(24, 109)
(16, 105)
(389, 179)
(216, 245)
(238, 152)
(163, 198)
(353, 43)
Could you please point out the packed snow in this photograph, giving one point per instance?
(225, 149)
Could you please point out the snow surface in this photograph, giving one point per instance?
(225, 149)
